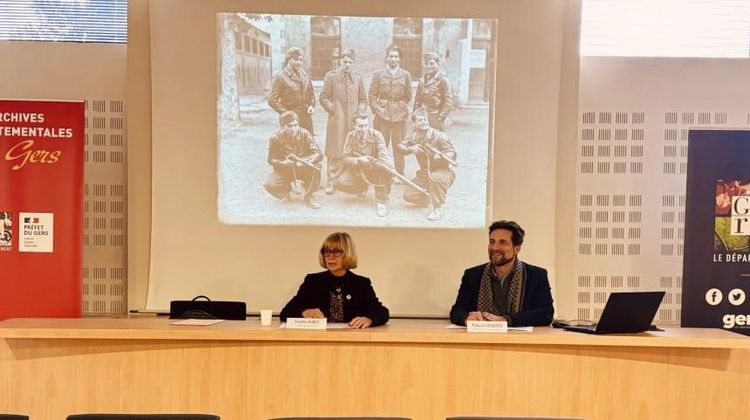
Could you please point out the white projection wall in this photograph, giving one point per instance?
(415, 271)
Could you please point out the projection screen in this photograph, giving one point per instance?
(441, 67)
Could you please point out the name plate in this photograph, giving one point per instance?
(487, 326)
(306, 323)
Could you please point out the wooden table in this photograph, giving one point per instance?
(50, 368)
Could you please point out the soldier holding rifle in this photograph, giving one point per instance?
(366, 163)
(295, 158)
(436, 158)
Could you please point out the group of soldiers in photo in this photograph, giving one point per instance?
(6, 228)
(358, 154)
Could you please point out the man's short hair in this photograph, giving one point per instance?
(516, 231)
(293, 52)
(286, 117)
(349, 52)
(419, 112)
(431, 56)
(396, 48)
(361, 115)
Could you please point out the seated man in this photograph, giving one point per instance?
(366, 162)
(295, 158)
(506, 288)
(436, 157)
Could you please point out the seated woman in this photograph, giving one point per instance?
(337, 294)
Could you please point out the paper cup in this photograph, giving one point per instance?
(265, 316)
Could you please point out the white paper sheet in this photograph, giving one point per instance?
(199, 322)
(329, 326)
(523, 329)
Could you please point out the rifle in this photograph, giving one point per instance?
(295, 158)
(439, 153)
(393, 172)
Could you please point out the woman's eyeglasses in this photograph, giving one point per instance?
(335, 252)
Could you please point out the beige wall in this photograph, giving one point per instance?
(62, 70)
(174, 58)
(139, 151)
(525, 154)
(535, 147)
(567, 136)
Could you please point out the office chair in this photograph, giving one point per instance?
(13, 417)
(142, 417)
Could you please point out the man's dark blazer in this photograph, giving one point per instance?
(536, 304)
(359, 298)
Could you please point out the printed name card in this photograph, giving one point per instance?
(487, 326)
(306, 323)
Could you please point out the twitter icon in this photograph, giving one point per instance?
(736, 297)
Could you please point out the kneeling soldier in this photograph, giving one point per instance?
(366, 163)
(436, 158)
(295, 158)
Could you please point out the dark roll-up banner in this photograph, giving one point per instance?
(716, 263)
(41, 208)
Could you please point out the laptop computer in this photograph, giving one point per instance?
(624, 312)
(207, 309)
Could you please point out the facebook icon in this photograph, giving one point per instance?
(714, 296)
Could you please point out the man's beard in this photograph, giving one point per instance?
(501, 260)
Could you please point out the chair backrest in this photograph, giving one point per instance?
(509, 418)
(341, 418)
(142, 417)
(13, 417)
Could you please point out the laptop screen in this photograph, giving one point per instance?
(629, 311)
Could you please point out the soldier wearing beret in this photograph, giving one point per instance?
(292, 89)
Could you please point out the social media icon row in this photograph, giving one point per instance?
(736, 296)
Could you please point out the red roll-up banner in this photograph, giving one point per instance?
(41, 208)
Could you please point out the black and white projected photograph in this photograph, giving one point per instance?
(354, 121)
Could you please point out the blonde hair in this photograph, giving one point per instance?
(344, 242)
